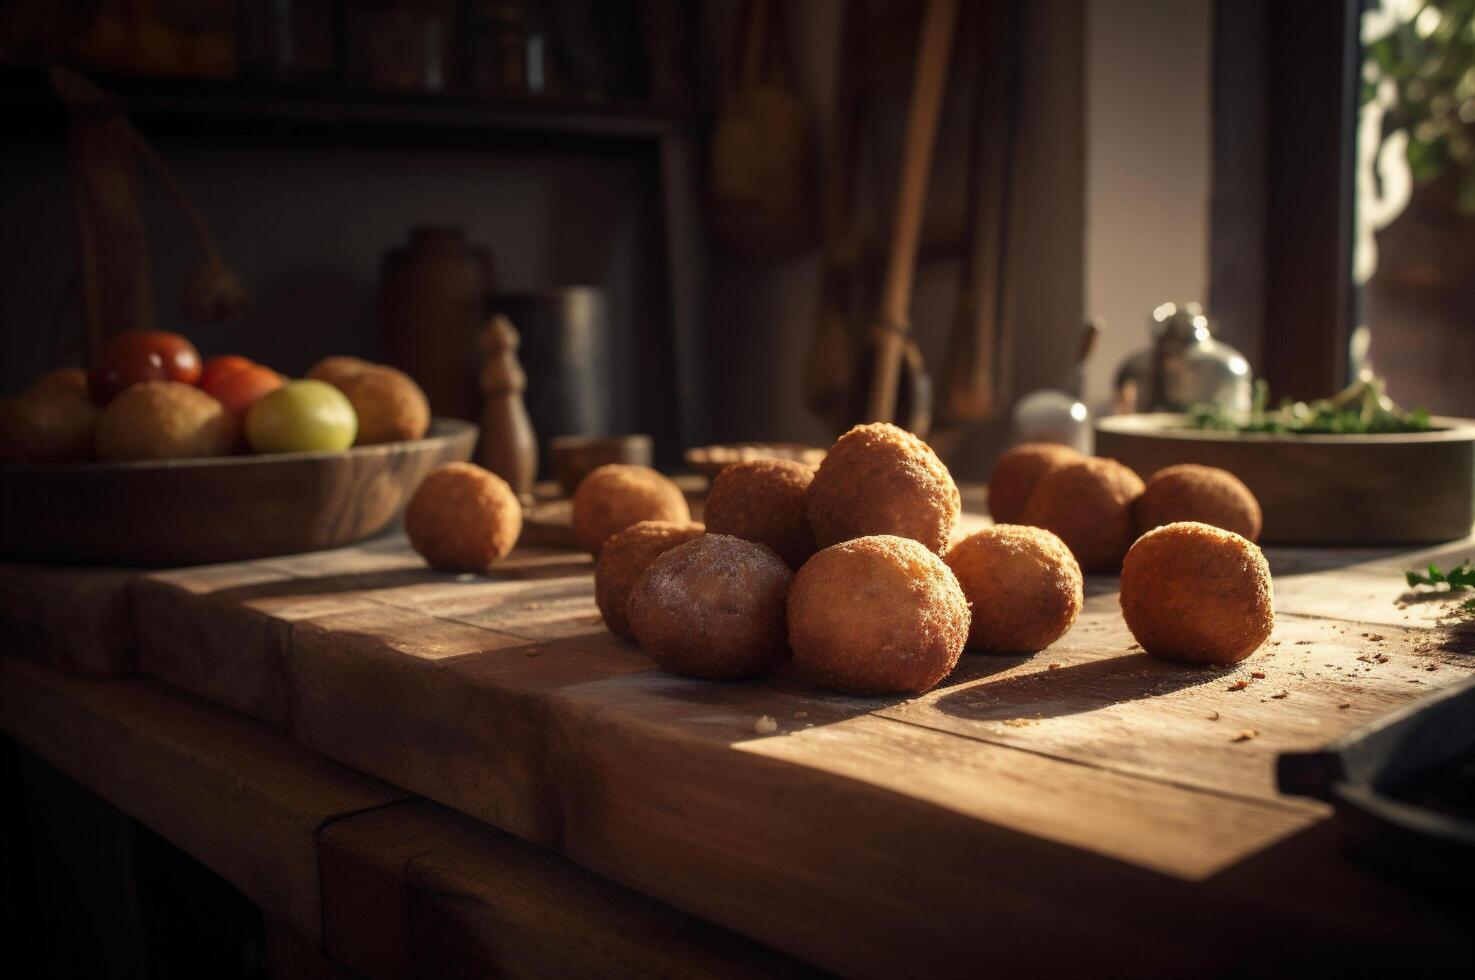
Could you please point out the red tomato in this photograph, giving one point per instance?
(142, 355)
(241, 389)
(218, 367)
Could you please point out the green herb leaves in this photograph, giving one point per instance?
(1457, 579)
(1360, 409)
(1462, 576)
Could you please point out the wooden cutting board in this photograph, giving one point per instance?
(1017, 802)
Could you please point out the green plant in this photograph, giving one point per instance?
(1361, 408)
(1429, 58)
(1457, 579)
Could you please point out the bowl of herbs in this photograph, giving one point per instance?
(1353, 469)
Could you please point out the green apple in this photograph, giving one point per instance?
(302, 417)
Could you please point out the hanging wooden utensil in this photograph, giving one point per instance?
(828, 375)
(974, 373)
(892, 346)
(111, 235)
(762, 170)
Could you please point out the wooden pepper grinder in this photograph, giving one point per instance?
(508, 447)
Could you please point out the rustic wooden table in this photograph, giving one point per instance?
(396, 738)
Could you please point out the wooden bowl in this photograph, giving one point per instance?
(1409, 488)
(575, 456)
(709, 460)
(231, 508)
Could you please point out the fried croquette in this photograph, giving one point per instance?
(616, 495)
(712, 607)
(164, 420)
(624, 557)
(762, 500)
(877, 615)
(879, 479)
(463, 518)
(1088, 503)
(1197, 593)
(1017, 471)
(1023, 584)
(1207, 494)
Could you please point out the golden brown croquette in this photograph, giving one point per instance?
(624, 556)
(712, 607)
(1023, 584)
(1197, 593)
(1017, 471)
(1207, 494)
(463, 518)
(763, 500)
(880, 479)
(877, 615)
(1089, 505)
(616, 495)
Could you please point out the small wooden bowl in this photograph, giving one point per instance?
(230, 508)
(575, 456)
(1405, 488)
(709, 460)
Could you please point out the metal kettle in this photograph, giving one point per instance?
(1184, 367)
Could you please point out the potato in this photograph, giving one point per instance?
(164, 420)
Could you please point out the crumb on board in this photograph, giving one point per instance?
(531, 652)
(1056, 666)
(1019, 722)
(801, 714)
(1239, 685)
(1344, 705)
(1258, 675)
(1213, 716)
(1280, 694)
(765, 725)
(1244, 735)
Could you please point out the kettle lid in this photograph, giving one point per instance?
(1187, 322)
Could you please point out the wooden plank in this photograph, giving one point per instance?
(864, 844)
(221, 631)
(1106, 703)
(376, 691)
(75, 619)
(416, 889)
(363, 860)
(242, 800)
(293, 956)
(617, 769)
(502, 696)
(434, 688)
(492, 741)
(1364, 585)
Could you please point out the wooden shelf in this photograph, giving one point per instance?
(249, 110)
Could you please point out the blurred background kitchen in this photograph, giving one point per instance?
(695, 211)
